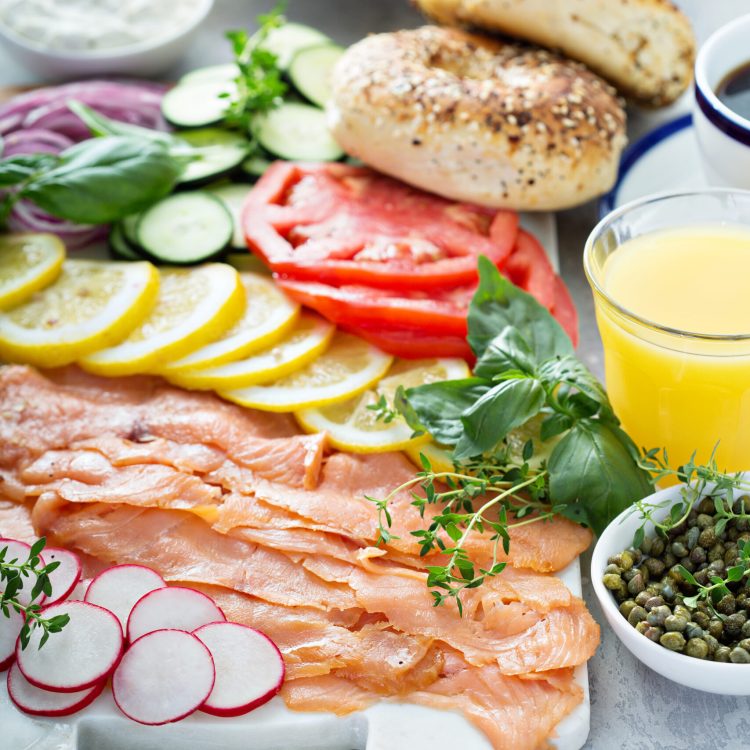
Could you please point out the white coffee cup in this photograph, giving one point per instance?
(723, 136)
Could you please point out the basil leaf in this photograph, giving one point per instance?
(99, 125)
(507, 405)
(21, 167)
(105, 179)
(568, 369)
(507, 351)
(592, 467)
(439, 406)
(554, 424)
(498, 304)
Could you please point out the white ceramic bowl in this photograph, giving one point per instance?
(147, 58)
(710, 676)
(723, 136)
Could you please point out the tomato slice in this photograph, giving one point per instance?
(410, 343)
(565, 311)
(529, 267)
(346, 225)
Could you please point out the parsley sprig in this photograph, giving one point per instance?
(259, 83)
(15, 575)
(582, 465)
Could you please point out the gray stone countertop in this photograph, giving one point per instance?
(632, 708)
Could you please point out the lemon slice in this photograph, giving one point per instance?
(194, 306)
(28, 263)
(349, 366)
(440, 457)
(353, 427)
(269, 315)
(91, 305)
(309, 338)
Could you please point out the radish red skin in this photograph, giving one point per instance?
(73, 688)
(261, 700)
(181, 716)
(86, 700)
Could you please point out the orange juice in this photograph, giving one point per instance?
(675, 325)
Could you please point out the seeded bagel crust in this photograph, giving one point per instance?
(478, 120)
(646, 48)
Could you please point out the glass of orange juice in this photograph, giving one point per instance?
(671, 282)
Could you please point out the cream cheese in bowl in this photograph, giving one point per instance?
(70, 38)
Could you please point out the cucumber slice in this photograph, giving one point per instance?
(220, 152)
(288, 39)
(255, 166)
(310, 71)
(195, 105)
(185, 228)
(297, 132)
(223, 72)
(233, 197)
(129, 226)
(119, 247)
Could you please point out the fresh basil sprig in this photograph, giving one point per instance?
(94, 182)
(526, 367)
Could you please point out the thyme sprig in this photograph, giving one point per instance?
(696, 478)
(14, 578)
(515, 497)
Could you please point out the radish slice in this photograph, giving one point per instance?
(118, 589)
(78, 593)
(65, 576)
(82, 654)
(172, 608)
(10, 627)
(164, 676)
(249, 668)
(19, 551)
(38, 702)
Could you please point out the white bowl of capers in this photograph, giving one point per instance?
(672, 575)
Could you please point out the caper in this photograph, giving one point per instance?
(745, 643)
(692, 537)
(626, 607)
(731, 555)
(698, 556)
(653, 633)
(716, 628)
(658, 615)
(626, 560)
(707, 537)
(669, 559)
(679, 549)
(657, 547)
(716, 552)
(636, 584)
(742, 504)
(621, 594)
(643, 597)
(682, 611)
(688, 564)
(667, 591)
(704, 521)
(612, 581)
(701, 576)
(739, 656)
(745, 630)
(701, 619)
(706, 505)
(731, 533)
(692, 630)
(741, 524)
(636, 554)
(673, 641)
(655, 567)
(647, 545)
(675, 574)
(722, 654)
(675, 623)
(613, 569)
(741, 599)
(711, 642)
(726, 605)
(637, 614)
(642, 627)
(652, 602)
(697, 648)
(733, 625)
(654, 588)
(716, 568)
(643, 570)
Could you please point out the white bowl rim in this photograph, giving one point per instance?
(701, 81)
(125, 51)
(609, 605)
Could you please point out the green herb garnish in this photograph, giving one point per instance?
(259, 83)
(15, 576)
(94, 182)
(526, 370)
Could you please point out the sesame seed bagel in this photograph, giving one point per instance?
(644, 47)
(478, 120)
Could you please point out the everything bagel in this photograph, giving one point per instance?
(478, 120)
(644, 47)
